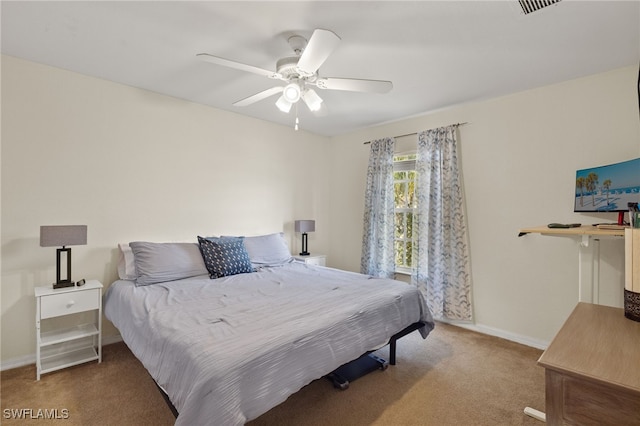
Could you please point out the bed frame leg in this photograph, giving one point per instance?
(395, 337)
(392, 352)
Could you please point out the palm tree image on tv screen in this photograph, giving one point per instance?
(608, 188)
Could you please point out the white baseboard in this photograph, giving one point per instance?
(31, 358)
(518, 338)
(17, 362)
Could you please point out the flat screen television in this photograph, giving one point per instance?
(608, 188)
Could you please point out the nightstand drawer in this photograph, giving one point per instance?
(69, 303)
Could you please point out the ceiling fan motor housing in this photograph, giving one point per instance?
(288, 67)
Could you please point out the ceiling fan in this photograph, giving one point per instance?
(300, 72)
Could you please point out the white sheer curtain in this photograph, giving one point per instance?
(441, 252)
(378, 258)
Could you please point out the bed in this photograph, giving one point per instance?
(226, 349)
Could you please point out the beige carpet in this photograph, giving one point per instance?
(454, 377)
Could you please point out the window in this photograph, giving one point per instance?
(404, 179)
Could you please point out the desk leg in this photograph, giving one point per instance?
(589, 270)
(553, 389)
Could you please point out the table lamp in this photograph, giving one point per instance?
(63, 235)
(305, 226)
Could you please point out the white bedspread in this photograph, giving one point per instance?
(228, 350)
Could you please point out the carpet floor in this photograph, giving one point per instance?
(454, 377)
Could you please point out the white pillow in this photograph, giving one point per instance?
(126, 264)
(268, 250)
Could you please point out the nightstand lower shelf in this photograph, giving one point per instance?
(68, 334)
(68, 359)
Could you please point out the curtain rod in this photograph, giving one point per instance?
(415, 133)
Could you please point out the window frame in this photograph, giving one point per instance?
(403, 165)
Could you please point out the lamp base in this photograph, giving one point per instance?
(304, 251)
(64, 284)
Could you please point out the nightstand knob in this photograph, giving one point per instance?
(70, 303)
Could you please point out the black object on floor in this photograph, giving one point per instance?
(342, 376)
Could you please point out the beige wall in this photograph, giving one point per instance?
(135, 165)
(519, 155)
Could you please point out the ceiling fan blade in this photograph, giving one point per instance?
(320, 46)
(258, 96)
(238, 65)
(354, 85)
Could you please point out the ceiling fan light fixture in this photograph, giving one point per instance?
(283, 104)
(311, 98)
(292, 92)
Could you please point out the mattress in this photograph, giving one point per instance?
(229, 349)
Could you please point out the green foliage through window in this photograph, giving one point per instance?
(404, 177)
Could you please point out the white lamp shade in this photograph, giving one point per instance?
(283, 104)
(311, 98)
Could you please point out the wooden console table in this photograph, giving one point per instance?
(592, 369)
(588, 254)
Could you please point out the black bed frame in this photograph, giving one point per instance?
(392, 341)
(342, 376)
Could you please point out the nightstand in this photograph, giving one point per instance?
(312, 259)
(63, 347)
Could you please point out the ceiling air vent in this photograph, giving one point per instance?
(529, 6)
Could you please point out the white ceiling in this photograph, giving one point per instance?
(436, 53)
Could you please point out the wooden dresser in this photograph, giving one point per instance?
(592, 369)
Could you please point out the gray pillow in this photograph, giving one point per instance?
(268, 250)
(162, 262)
